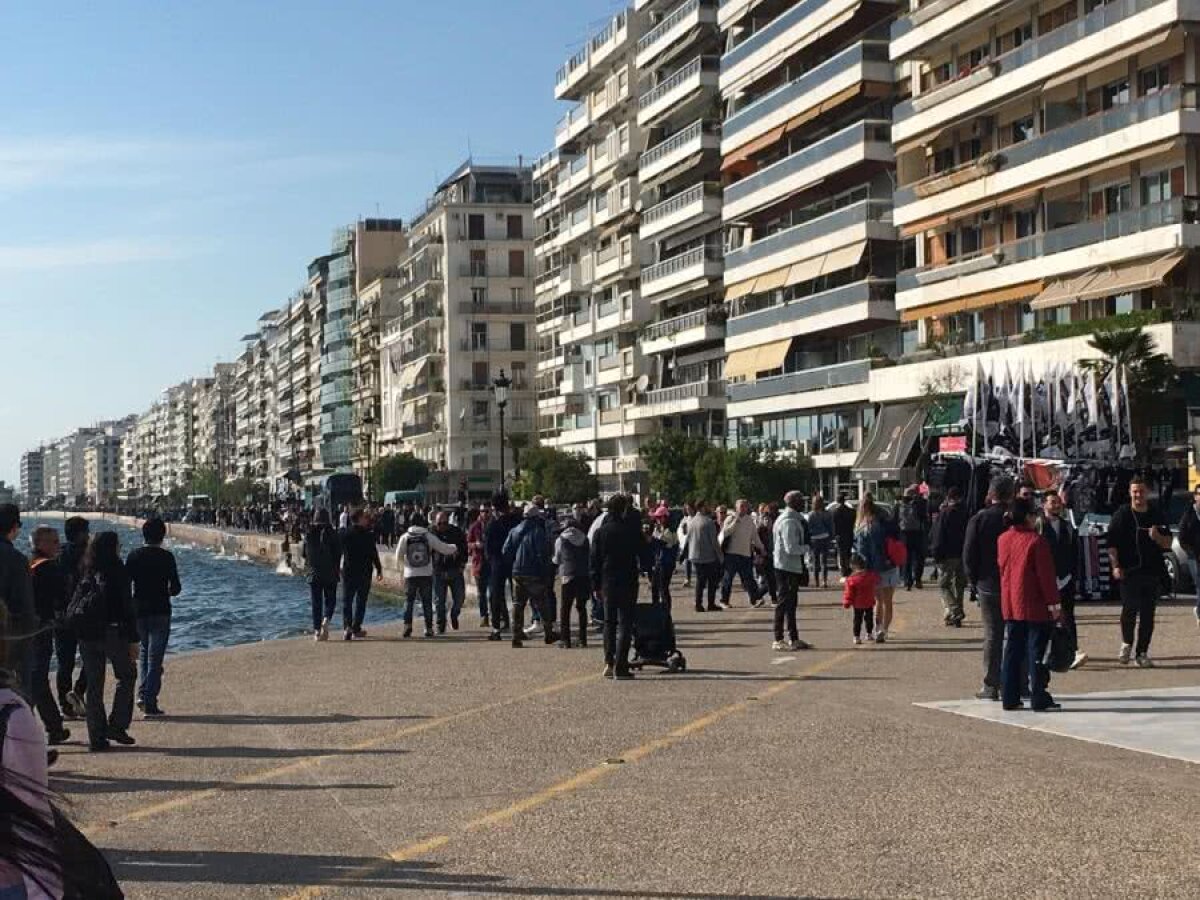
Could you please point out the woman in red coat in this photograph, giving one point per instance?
(1030, 606)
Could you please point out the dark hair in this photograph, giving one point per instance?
(103, 553)
(418, 519)
(500, 501)
(858, 561)
(154, 530)
(1019, 510)
(31, 837)
(75, 527)
(10, 517)
(954, 494)
(1136, 479)
(1002, 488)
(617, 505)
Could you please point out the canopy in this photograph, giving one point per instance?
(896, 432)
(1108, 282)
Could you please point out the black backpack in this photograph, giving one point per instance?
(86, 610)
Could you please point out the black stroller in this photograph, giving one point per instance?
(654, 639)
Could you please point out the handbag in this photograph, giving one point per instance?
(1060, 650)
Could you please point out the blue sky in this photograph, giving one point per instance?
(167, 170)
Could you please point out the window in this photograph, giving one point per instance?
(478, 296)
(1156, 188)
(941, 73)
(516, 335)
(969, 150)
(519, 375)
(943, 160)
(516, 263)
(475, 227)
(479, 455)
(479, 264)
(909, 339)
(1022, 130)
(517, 296)
(1025, 221)
(1117, 198)
(480, 411)
(1154, 79)
(479, 335)
(1115, 93)
(972, 239)
(950, 243)
(516, 228)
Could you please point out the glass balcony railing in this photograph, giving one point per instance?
(769, 32)
(692, 69)
(677, 141)
(838, 375)
(814, 304)
(810, 155)
(680, 201)
(655, 34)
(681, 262)
(810, 82)
(683, 392)
(668, 327)
(1094, 22)
(1178, 211)
(855, 214)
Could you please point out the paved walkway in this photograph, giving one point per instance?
(455, 766)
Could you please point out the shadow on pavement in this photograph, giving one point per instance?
(260, 752)
(73, 783)
(249, 719)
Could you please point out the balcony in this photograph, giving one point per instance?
(1052, 56)
(865, 220)
(700, 264)
(687, 208)
(680, 147)
(577, 174)
(822, 84)
(675, 27)
(817, 379)
(572, 125)
(614, 259)
(1146, 122)
(850, 304)
(580, 69)
(683, 398)
(782, 37)
(701, 72)
(416, 429)
(697, 327)
(575, 225)
(936, 20)
(866, 141)
(495, 308)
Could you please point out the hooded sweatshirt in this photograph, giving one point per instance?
(571, 553)
(436, 545)
(791, 544)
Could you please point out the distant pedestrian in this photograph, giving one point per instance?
(705, 555)
(387, 525)
(49, 596)
(665, 544)
(155, 578)
(791, 543)
(1064, 548)
(448, 572)
(875, 540)
(681, 533)
(322, 554)
(844, 518)
(495, 536)
(1189, 540)
(765, 559)
(571, 555)
(360, 560)
(913, 520)
(415, 551)
(77, 531)
(739, 539)
(1137, 539)
(859, 595)
(344, 518)
(480, 570)
(820, 538)
(528, 552)
(616, 554)
(946, 547)
(982, 568)
(16, 597)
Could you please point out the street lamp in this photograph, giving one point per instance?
(500, 388)
(369, 427)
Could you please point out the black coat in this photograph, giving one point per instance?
(616, 557)
(1063, 547)
(1189, 532)
(843, 523)
(980, 551)
(949, 532)
(360, 555)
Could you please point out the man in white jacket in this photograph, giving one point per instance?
(739, 538)
(414, 552)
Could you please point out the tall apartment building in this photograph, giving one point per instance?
(465, 300)
(377, 302)
(102, 469)
(216, 421)
(70, 450)
(293, 387)
(810, 255)
(33, 477)
(255, 401)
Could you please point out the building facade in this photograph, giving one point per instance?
(216, 421)
(465, 314)
(378, 302)
(102, 469)
(33, 477)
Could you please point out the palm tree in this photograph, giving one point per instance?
(1136, 355)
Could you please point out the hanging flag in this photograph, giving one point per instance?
(1128, 446)
(1114, 399)
(1091, 399)
(1003, 397)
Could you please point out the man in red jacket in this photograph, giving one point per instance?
(1029, 604)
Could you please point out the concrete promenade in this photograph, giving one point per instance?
(454, 766)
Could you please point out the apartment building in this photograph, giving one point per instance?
(33, 476)
(216, 421)
(70, 452)
(102, 470)
(293, 340)
(255, 400)
(378, 302)
(465, 314)
(810, 259)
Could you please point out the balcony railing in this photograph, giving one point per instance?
(1180, 210)
(680, 201)
(776, 314)
(1094, 22)
(655, 34)
(680, 138)
(839, 375)
(682, 392)
(683, 261)
(769, 32)
(824, 224)
(473, 270)
(660, 90)
(668, 327)
(498, 307)
(415, 429)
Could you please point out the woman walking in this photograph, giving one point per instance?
(820, 537)
(322, 553)
(873, 532)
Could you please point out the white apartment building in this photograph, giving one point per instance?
(102, 469)
(33, 476)
(465, 315)
(255, 401)
(216, 421)
(377, 302)
(810, 256)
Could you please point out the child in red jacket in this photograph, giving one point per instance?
(859, 593)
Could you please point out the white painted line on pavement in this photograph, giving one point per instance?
(779, 661)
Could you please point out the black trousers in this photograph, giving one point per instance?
(618, 625)
(1139, 602)
(534, 593)
(785, 610)
(66, 648)
(914, 566)
(575, 593)
(660, 586)
(498, 595)
(863, 617)
(708, 578)
(43, 697)
(844, 548)
(114, 649)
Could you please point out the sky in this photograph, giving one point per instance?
(167, 170)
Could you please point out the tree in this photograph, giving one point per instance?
(722, 476)
(1135, 354)
(671, 459)
(401, 472)
(713, 476)
(518, 442)
(561, 477)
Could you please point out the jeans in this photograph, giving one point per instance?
(1024, 646)
(952, 582)
(914, 566)
(785, 611)
(43, 698)
(1194, 568)
(1139, 600)
(355, 591)
(114, 649)
(660, 586)
(497, 595)
(687, 571)
(481, 591)
(575, 592)
(768, 585)
(708, 576)
(743, 568)
(845, 549)
(618, 627)
(1066, 598)
(324, 602)
(154, 632)
(528, 590)
(454, 581)
(66, 648)
(419, 587)
(993, 637)
(864, 617)
(820, 560)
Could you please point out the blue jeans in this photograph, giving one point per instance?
(324, 602)
(743, 568)
(458, 590)
(481, 591)
(1024, 646)
(154, 632)
(355, 592)
(1194, 568)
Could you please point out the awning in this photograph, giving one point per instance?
(741, 362)
(1106, 282)
(752, 360)
(755, 74)
(1106, 60)
(972, 302)
(741, 289)
(744, 152)
(834, 261)
(893, 437)
(408, 377)
(772, 280)
(943, 218)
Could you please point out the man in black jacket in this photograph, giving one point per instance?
(360, 557)
(1064, 547)
(982, 568)
(616, 558)
(1189, 540)
(496, 533)
(77, 531)
(155, 579)
(448, 572)
(49, 586)
(844, 516)
(949, 531)
(16, 593)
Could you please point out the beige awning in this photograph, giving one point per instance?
(804, 271)
(834, 261)
(1106, 60)
(771, 281)
(743, 153)
(973, 302)
(749, 361)
(1062, 291)
(740, 289)
(741, 363)
(408, 377)
(1109, 281)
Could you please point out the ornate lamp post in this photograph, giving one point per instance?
(500, 388)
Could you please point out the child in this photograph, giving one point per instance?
(859, 593)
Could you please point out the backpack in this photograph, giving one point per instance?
(910, 520)
(86, 611)
(318, 555)
(895, 550)
(416, 551)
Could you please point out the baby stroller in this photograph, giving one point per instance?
(654, 639)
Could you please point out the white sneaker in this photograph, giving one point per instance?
(1144, 661)
(1080, 659)
(1125, 655)
(870, 638)
(534, 628)
(721, 604)
(858, 640)
(323, 634)
(881, 636)
(317, 635)
(779, 645)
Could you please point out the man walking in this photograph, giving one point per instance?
(615, 560)
(739, 536)
(154, 577)
(1064, 548)
(414, 551)
(790, 547)
(49, 589)
(1137, 539)
(66, 643)
(480, 571)
(448, 572)
(495, 537)
(981, 566)
(949, 532)
(704, 553)
(322, 553)
(571, 557)
(360, 558)
(843, 533)
(16, 593)
(914, 519)
(528, 551)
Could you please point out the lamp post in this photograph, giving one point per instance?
(369, 427)
(500, 388)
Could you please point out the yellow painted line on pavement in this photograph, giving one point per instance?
(194, 797)
(416, 849)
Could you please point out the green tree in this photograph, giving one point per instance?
(401, 472)
(713, 476)
(517, 443)
(561, 477)
(723, 476)
(671, 459)
(1134, 352)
